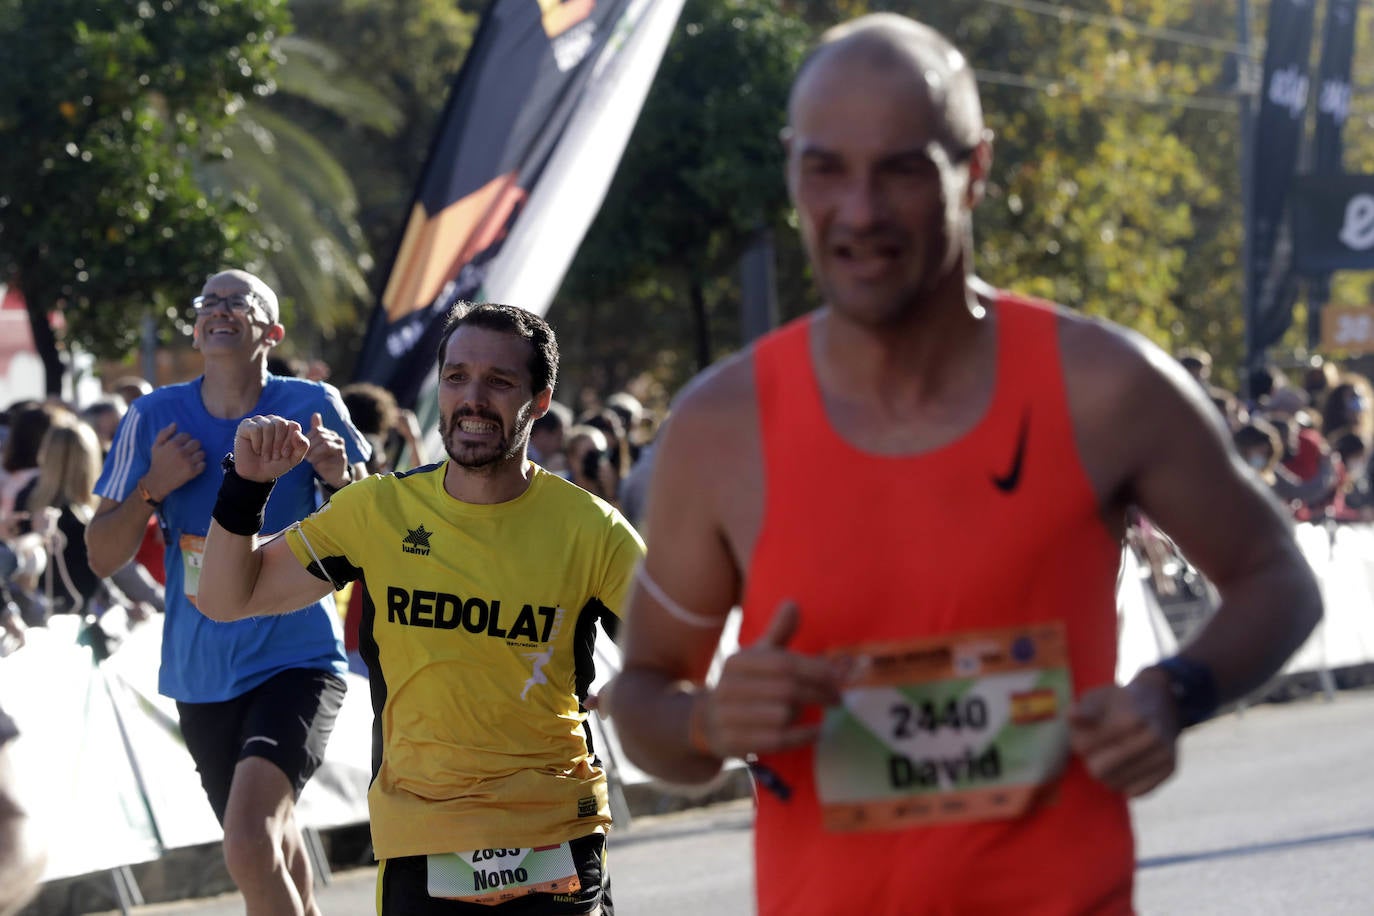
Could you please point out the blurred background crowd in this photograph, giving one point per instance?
(1306, 434)
(53, 451)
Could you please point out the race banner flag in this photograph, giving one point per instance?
(1333, 86)
(1333, 221)
(535, 125)
(1333, 107)
(1278, 135)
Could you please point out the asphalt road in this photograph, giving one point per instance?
(1272, 813)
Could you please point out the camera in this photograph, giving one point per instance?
(591, 464)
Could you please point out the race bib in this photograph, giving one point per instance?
(192, 558)
(971, 726)
(491, 876)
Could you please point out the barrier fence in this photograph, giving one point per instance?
(102, 764)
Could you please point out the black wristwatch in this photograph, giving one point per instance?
(330, 488)
(1193, 687)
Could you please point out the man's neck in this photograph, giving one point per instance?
(910, 361)
(232, 389)
(499, 483)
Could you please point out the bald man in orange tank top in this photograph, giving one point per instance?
(917, 495)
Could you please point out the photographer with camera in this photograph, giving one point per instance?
(590, 464)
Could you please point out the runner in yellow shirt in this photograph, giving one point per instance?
(484, 578)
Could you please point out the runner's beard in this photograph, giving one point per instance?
(481, 457)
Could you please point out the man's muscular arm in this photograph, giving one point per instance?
(1152, 440)
(668, 723)
(689, 564)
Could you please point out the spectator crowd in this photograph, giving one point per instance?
(53, 451)
(52, 454)
(1307, 435)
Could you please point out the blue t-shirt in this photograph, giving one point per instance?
(204, 661)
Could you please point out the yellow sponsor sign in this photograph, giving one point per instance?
(1348, 328)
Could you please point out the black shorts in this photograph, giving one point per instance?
(403, 889)
(285, 719)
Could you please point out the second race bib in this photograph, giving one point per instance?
(491, 876)
(192, 558)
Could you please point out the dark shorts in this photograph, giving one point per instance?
(286, 719)
(403, 884)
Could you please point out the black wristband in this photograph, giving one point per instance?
(242, 504)
(1194, 689)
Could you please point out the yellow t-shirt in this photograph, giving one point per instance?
(478, 629)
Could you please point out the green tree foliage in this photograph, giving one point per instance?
(702, 173)
(1093, 204)
(338, 150)
(106, 107)
(410, 51)
(304, 202)
(1115, 186)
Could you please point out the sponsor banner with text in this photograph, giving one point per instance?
(1278, 135)
(1333, 106)
(1333, 223)
(1349, 329)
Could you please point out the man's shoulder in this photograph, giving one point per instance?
(552, 487)
(1125, 393)
(1076, 328)
(1105, 351)
(166, 395)
(724, 391)
(378, 486)
(298, 398)
(378, 500)
(158, 406)
(576, 504)
(711, 435)
(296, 390)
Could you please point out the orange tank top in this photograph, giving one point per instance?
(999, 529)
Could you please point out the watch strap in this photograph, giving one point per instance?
(348, 474)
(146, 495)
(1194, 689)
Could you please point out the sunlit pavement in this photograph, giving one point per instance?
(1272, 812)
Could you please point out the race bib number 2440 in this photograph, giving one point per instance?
(971, 726)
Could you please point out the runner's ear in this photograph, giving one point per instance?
(979, 167)
(542, 400)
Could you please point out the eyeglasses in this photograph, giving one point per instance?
(241, 303)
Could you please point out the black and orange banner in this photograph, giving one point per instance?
(521, 86)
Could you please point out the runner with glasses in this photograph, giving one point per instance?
(241, 303)
(257, 699)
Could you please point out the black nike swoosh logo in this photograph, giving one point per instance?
(1009, 481)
